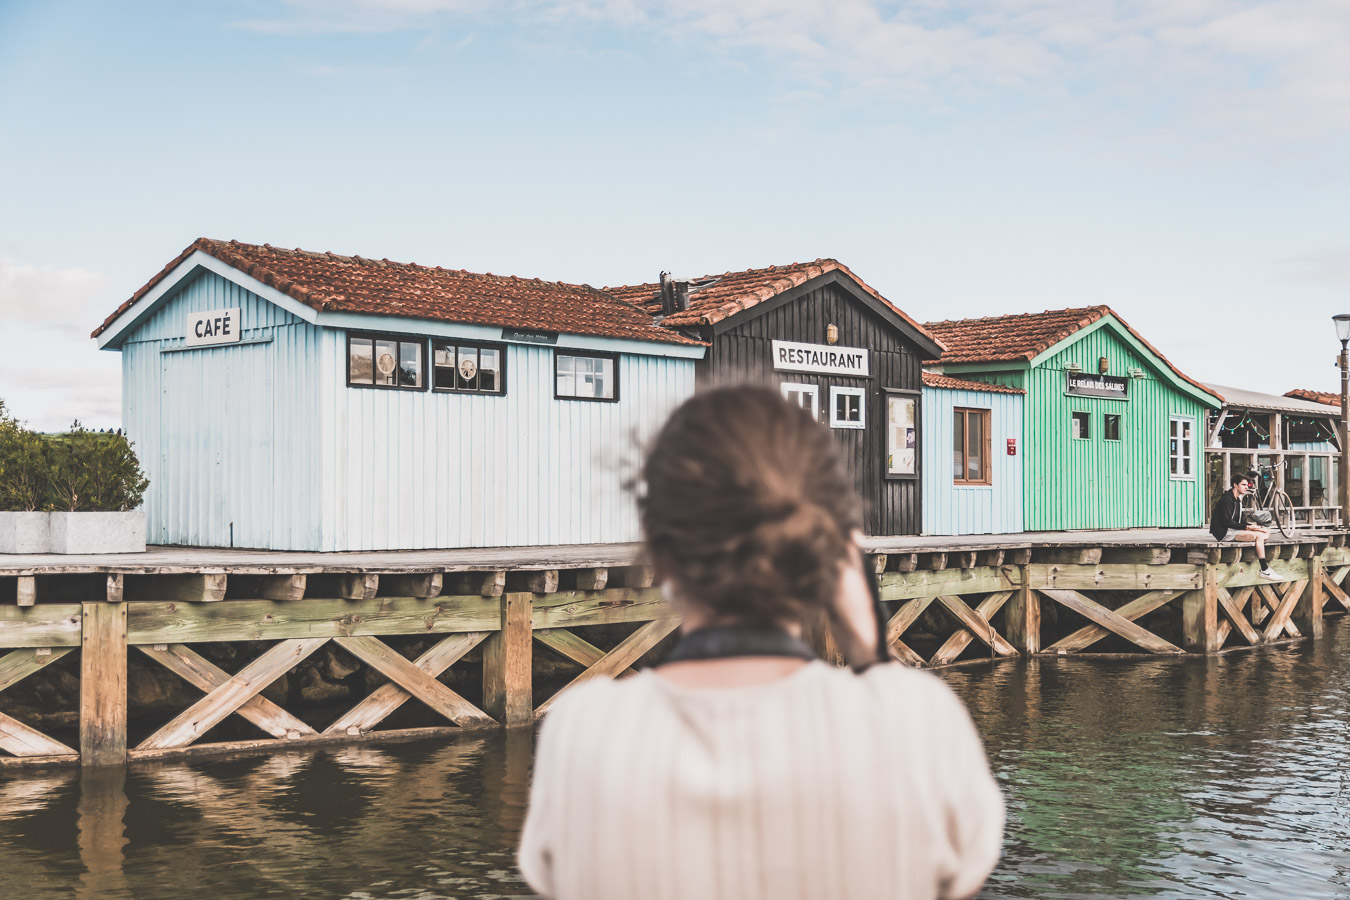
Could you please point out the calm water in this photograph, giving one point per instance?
(1171, 778)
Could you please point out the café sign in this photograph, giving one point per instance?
(791, 356)
(1085, 384)
(216, 326)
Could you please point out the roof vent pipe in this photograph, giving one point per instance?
(667, 295)
(674, 294)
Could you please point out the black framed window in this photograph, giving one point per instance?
(1111, 427)
(586, 376)
(1081, 426)
(386, 361)
(468, 368)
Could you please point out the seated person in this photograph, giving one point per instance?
(1226, 522)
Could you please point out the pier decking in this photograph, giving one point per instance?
(412, 616)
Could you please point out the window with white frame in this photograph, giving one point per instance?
(1181, 449)
(846, 407)
(807, 396)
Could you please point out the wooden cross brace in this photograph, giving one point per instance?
(1112, 621)
(16, 737)
(1232, 606)
(240, 693)
(1335, 591)
(598, 663)
(1134, 609)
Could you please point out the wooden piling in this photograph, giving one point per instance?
(1200, 615)
(1308, 609)
(1022, 618)
(103, 684)
(508, 663)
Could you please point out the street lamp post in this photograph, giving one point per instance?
(1343, 332)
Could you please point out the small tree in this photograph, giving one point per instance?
(89, 470)
(23, 466)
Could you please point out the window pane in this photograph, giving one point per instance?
(975, 447)
(410, 364)
(489, 369)
(959, 445)
(566, 384)
(466, 365)
(1081, 428)
(362, 361)
(386, 362)
(565, 364)
(443, 363)
(1111, 428)
(608, 369)
(901, 436)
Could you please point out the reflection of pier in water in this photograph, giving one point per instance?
(1142, 766)
(257, 824)
(467, 634)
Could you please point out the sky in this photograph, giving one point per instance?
(1183, 161)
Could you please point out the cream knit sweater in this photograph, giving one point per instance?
(823, 784)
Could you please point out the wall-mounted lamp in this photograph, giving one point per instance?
(1103, 365)
(1072, 367)
(831, 334)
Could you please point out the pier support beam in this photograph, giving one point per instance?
(103, 684)
(1308, 611)
(1022, 618)
(1200, 615)
(508, 663)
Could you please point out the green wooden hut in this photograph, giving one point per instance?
(1113, 433)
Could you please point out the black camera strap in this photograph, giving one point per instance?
(724, 641)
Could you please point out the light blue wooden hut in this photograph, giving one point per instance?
(972, 466)
(288, 400)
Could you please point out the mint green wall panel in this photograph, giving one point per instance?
(1094, 483)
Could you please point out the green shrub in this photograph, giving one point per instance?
(24, 474)
(91, 470)
(77, 471)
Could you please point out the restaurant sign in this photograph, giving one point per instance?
(1083, 384)
(794, 357)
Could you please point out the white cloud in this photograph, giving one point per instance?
(1276, 67)
(66, 300)
(51, 373)
(1331, 267)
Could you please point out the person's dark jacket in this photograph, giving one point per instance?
(1227, 516)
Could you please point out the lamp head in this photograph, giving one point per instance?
(1342, 326)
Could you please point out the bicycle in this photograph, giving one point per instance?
(1266, 497)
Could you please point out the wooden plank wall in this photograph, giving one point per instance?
(743, 353)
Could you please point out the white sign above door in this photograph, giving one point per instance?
(794, 357)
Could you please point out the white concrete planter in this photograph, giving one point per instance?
(98, 532)
(25, 532)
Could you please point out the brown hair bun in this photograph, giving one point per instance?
(748, 505)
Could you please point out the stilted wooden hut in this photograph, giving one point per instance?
(835, 345)
(1295, 436)
(1112, 430)
(972, 474)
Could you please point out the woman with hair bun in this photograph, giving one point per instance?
(742, 767)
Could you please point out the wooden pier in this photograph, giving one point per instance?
(951, 600)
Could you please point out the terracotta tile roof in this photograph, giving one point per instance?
(1011, 338)
(717, 297)
(935, 380)
(328, 282)
(1326, 397)
(1023, 336)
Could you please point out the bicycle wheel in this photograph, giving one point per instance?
(1282, 511)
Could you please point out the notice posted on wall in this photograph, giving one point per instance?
(901, 436)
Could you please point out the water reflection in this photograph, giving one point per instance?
(1165, 778)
